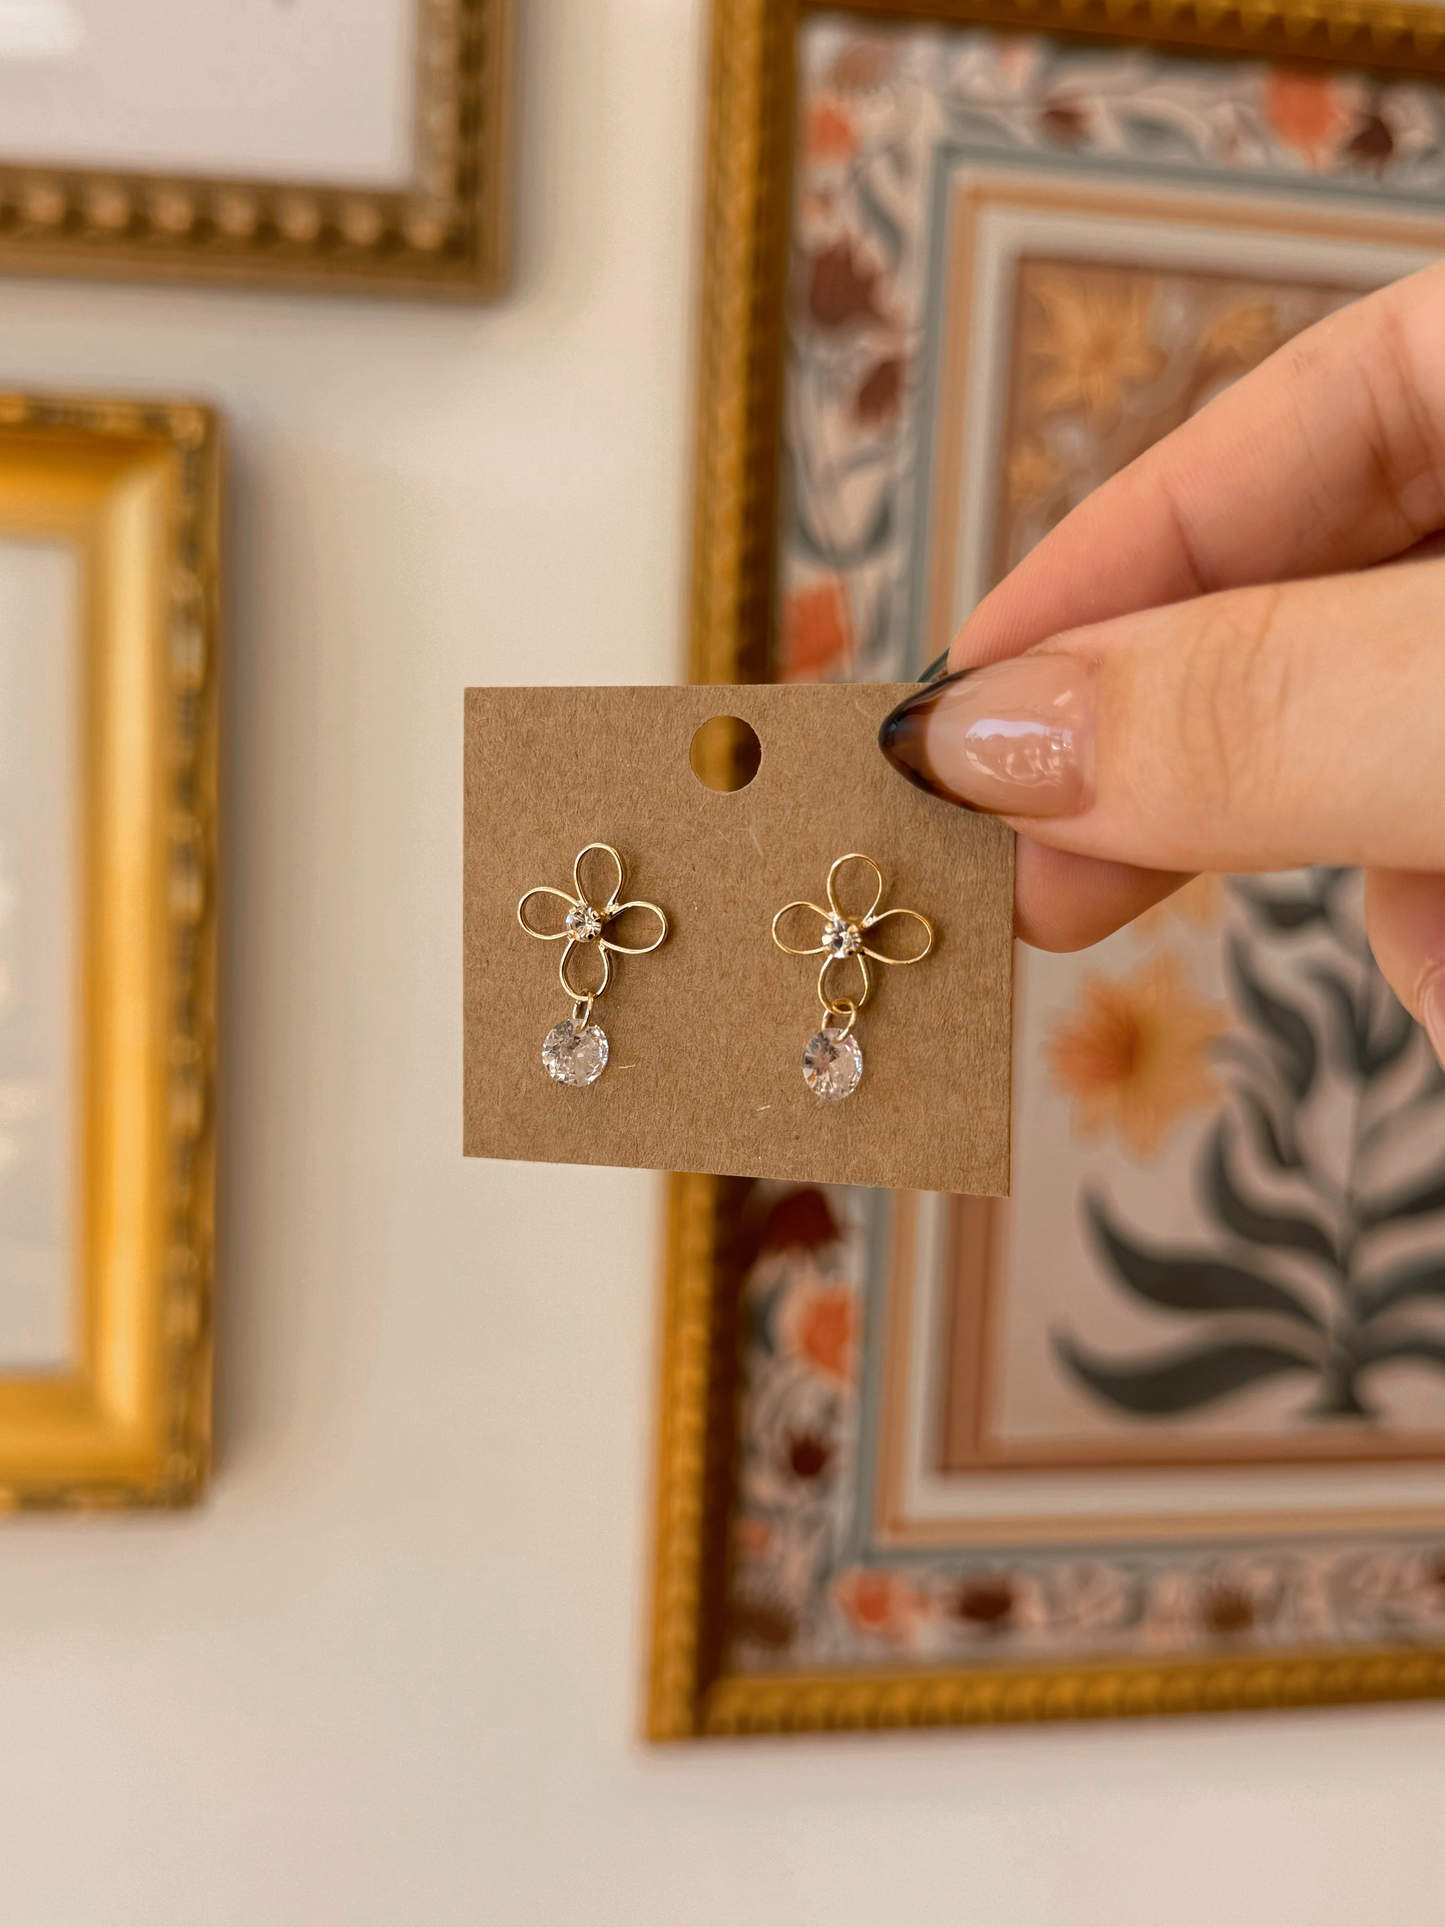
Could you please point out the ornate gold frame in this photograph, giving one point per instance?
(447, 235)
(133, 488)
(690, 1695)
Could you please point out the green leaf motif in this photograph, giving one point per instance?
(879, 624)
(1286, 1027)
(1416, 1203)
(1410, 1283)
(1253, 1222)
(1423, 1347)
(881, 221)
(1373, 1027)
(1185, 1380)
(1192, 1281)
(1390, 1039)
(1351, 1020)
(840, 558)
(1283, 1155)
(1280, 913)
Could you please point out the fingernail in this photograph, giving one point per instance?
(1432, 1010)
(1016, 738)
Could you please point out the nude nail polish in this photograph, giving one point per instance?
(1014, 739)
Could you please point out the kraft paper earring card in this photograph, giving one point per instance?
(672, 1015)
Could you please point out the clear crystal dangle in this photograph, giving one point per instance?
(833, 1059)
(575, 1051)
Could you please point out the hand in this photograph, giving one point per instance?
(1204, 667)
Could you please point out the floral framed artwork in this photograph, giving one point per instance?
(1165, 1430)
(356, 146)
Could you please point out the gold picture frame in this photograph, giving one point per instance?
(131, 490)
(691, 1690)
(446, 235)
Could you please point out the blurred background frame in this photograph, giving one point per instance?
(265, 160)
(961, 263)
(109, 559)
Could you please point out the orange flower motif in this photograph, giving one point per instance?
(876, 1602)
(1198, 903)
(753, 1538)
(817, 634)
(1245, 333)
(820, 1323)
(1312, 115)
(864, 63)
(1134, 1055)
(1032, 472)
(1096, 342)
(828, 133)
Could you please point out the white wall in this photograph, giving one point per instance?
(391, 1673)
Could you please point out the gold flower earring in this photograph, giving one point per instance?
(833, 1058)
(574, 1052)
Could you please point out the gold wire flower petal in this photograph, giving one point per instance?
(832, 1004)
(609, 902)
(636, 950)
(855, 856)
(546, 890)
(816, 950)
(878, 956)
(583, 996)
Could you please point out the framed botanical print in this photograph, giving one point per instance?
(358, 146)
(1164, 1430)
(108, 566)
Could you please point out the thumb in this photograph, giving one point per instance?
(1260, 729)
(1405, 920)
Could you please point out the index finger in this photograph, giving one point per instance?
(1328, 457)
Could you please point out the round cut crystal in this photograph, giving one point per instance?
(841, 938)
(583, 924)
(574, 1053)
(832, 1064)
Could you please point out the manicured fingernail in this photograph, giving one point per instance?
(1016, 738)
(1432, 1010)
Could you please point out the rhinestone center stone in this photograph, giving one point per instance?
(832, 1064)
(583, 925)
(575, 1054)
(841, 938)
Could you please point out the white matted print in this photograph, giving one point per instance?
(318, 90)
(39, 906)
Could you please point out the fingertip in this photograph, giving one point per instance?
(1405, 922)
(1064, 902)
(989, 635)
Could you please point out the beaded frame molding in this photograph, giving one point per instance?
(132, 489)
(690, 1692)
(446, 235)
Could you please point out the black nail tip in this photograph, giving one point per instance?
(900, 737)
(904, 714)
(918, 779)
(929, 691)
